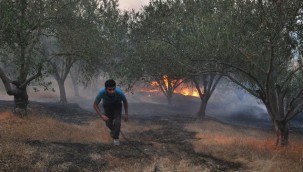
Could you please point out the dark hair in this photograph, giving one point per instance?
(110, 83)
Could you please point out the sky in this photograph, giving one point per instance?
(132, 4)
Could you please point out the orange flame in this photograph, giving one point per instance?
(155, 84)
(188, 92)
(182, 89)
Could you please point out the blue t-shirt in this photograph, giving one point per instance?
(118, 98)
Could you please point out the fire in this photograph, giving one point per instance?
(154, 83)
(165, 79)
(185, 92)
(196, 93)
(188, 92)
(182, 89)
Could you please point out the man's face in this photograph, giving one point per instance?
(110, 91)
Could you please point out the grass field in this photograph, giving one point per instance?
(40, 143)
(253, 148)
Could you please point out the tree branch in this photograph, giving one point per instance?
(249, 58)
(215, 84)
(244, 72)
(201, 95)
(68, 69)
(39, 73)
(243, 86)
(290, 76)
(6, 81)
(269, 70)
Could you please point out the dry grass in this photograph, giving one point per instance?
(251, 147)
(43, 128)
(165, 164)
(16, 155)
(5, 115)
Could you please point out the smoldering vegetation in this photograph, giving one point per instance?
(158, 137)
(51, 139)
(228, 103)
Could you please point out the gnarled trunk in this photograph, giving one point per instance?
(21, 102)
(21, 99)
(282, 130)
(281, 125)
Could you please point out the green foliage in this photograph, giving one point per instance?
(154, 38)
(263, 54)
(22, 23)
(90, 34)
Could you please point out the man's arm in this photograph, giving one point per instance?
(97, 109)
(126, 110)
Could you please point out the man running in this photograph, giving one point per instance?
(112, 104)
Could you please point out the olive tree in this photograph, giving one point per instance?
(259, 35)
(21, 25)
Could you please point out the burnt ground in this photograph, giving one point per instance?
(69, 113)
(171, 140)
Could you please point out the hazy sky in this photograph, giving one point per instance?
(132, 4)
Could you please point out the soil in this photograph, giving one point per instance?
(145, 147)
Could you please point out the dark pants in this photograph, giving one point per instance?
(113, 112)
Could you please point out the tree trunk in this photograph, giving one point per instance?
(275, 108)
(75, 84)
(21, 102)
(282, 130)
(19, 91)
(169, 99)
(63, 99)
(202, 109)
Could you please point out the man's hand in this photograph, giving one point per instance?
(126, 118)
(104, 117)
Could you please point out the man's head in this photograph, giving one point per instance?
(110, 86)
